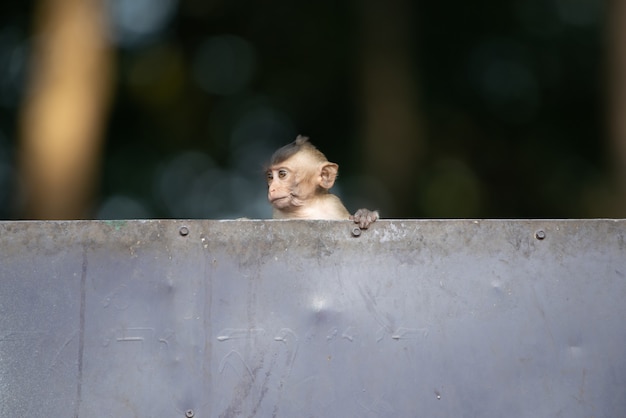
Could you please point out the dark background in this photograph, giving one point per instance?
(500, 106)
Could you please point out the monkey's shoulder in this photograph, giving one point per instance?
(328, 206)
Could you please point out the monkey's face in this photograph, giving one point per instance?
(292, 182)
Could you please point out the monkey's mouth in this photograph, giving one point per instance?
(278, 199)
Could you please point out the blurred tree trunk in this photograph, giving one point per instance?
(616, 13)
(63, 116)
(391, 118)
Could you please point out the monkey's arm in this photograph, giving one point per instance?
(364, 217)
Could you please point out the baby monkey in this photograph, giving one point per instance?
(299, 179)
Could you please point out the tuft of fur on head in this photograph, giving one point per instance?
(300, 144)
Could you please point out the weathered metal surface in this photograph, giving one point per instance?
(303, 319)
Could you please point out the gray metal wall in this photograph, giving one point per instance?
(491, 318)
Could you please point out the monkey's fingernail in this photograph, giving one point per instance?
(356, 231)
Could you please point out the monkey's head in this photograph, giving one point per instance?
(298, 173)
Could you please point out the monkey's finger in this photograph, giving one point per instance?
(357, 219)
(368, 219)
(365, 222)
(364, 217)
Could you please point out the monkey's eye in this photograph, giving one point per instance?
(282, 174)
(269, 176)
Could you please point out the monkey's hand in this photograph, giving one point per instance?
(364, 217)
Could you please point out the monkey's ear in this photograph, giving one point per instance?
(328, 175)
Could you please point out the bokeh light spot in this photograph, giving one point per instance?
(503, 77)
(137, 22)
(224, 64)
